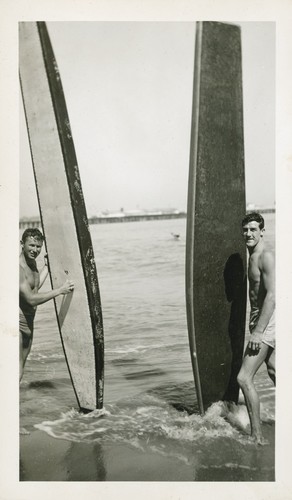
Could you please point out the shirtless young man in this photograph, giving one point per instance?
(261, 346)
(30, 281)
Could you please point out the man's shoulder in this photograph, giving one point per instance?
(267, 258)
(22, 262)
(24, 269)
(268, 254)
(22, 273)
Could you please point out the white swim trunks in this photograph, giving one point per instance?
(269, 335)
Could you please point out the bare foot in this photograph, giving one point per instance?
(259, 440)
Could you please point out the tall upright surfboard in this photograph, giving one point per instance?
(215, 251)
(63, 214)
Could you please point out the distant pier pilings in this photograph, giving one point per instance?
(26, 222)
(136, 217)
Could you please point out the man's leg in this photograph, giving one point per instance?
(271, 365)
(251, 362)
(21, 364)
(25, 342)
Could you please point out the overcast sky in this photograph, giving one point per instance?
(128, 89)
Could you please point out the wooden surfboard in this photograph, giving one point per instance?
(63, 214)
(215, 251)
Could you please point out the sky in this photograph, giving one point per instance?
(128, 88)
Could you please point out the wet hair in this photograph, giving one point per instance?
(32, 232)
(254, 216)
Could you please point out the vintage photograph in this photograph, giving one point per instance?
(147, 251)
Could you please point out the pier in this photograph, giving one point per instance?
(26, 222)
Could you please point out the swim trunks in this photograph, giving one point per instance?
(269, 335)
(26, 327)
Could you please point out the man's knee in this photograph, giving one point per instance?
(241, 378)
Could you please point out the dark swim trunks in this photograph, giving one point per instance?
(26, 327)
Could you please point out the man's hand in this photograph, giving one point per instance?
(67, 287)
(255, 342)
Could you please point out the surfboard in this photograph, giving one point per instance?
(215, 251)
(63, 214)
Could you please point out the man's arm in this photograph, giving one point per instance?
(35, 299)
(267, 267)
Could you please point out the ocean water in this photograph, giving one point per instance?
(150, 406)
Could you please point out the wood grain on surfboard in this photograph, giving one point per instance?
(215, 251)
(63, 214)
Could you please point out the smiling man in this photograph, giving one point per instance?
(30, 281)
(261, 346)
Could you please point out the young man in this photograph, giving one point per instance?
(30, 281)
(261, 346)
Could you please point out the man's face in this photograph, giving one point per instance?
(252, 233)
(32, 247)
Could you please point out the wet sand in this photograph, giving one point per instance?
(47, 459)
(44, 458)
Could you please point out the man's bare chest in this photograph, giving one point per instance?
(32, 278)
(254, 273)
